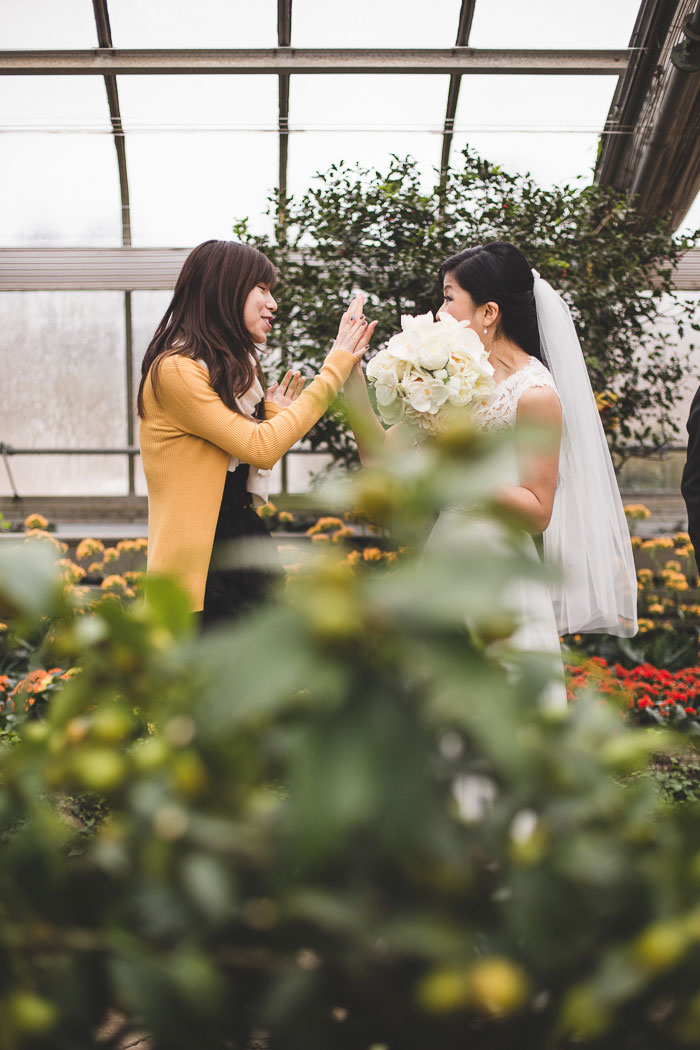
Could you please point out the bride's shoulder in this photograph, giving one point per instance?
(538, 399)
(534, 376)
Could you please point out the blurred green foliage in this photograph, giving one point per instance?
(342, 822)
(385, 233)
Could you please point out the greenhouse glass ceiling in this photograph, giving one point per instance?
(203, 149)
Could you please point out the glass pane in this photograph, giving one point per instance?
(364, 119)
(66, 476)
(194, 165)
(56, 102)
(67, 377)
(44, 24)
(644, 473)
(302, 468)
(147, 308)
(366, 23)
(546, 125)
(309, 154)
(182, 196)
(207, 101)
(376, 101)
(59, 181)
(181, 23)
(690, 385)
(59, 190)
(692, 220)
(553, 24)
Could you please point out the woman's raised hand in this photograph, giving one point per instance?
(354, 331)
(288, 390)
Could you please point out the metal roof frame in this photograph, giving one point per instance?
(104, 39)
(284, 39)
(651, 145)
(458, 61)
(651, 28)
(150, 269)
(466, 17)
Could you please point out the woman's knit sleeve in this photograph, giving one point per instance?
(190, 403)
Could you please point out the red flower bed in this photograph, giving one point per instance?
(646, 693)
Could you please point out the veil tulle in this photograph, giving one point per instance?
(587, 539)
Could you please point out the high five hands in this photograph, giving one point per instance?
(354, 334)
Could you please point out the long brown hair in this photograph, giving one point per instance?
(205, 319)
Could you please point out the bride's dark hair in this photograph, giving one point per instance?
(204, 320)
(499, 273)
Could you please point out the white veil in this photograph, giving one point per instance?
(587, 540)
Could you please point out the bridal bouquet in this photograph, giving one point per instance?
(428, 369)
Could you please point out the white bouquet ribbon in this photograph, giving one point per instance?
(428, 369)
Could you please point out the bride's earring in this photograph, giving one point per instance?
(486, 329)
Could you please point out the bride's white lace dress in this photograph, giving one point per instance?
(527, 599)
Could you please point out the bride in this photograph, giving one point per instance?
(567, 493)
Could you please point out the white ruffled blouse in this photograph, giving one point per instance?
(258, 484)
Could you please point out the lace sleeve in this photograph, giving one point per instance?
(535, 375)
(500, 411)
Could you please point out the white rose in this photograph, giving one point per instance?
(381, 360)
(434, 352)
(402, 348)
(424, 341)
(417, 327)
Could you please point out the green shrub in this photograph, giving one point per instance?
(343, 821)
(382, 232)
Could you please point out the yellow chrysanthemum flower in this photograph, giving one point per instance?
(636, 511)
(327, 524)
(88, 548)
(115, 585)
(372, 554)
(658, 543)
(36, 521)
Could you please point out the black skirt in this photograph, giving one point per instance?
(230, 592)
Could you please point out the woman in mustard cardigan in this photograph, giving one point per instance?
(209, 432)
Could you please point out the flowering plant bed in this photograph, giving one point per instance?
(31, 693)
(647, 695)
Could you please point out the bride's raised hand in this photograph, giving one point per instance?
(288, 390)
(354, 331)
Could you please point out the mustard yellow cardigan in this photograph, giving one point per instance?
(186, 439)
